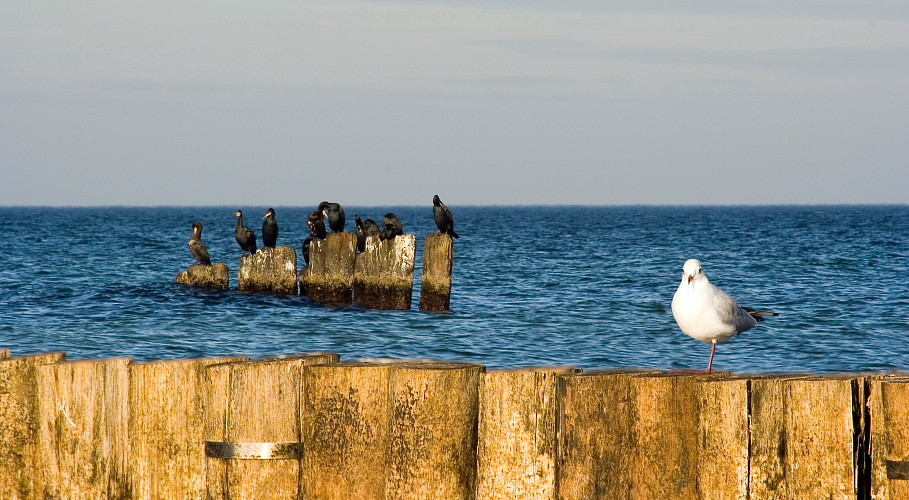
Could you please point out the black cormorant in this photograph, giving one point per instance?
(316, 231)
(335, 214)
(393, 227)
(316, 224)
(196, 247)
(365, 228)
(442, 214)
(245, 237)
(269, 229)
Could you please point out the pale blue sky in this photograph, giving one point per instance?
(501, 102)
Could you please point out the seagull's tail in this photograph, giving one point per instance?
(759, 315)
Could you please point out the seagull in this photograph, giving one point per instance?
(707, 313)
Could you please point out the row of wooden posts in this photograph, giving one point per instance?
(313, 427)
(380, 277)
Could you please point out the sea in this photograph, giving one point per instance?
(582, 286)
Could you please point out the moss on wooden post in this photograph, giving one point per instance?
(329, 276)
(19, 418)
(272, 270)
(384, 273)
(517, 433)
(802, 437)
(83, 444)
(166, 423)
(215, 276)
(438, 257)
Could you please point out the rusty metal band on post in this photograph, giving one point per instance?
(254, 451)
(897, 469)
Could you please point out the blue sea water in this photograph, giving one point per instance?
(568, 285)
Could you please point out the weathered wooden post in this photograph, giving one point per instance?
(889, 407)
(346, 430)
(517, 433)
(253, 427)
(19, 424)
(803, 433)
(82, 435)
(384, 272)
(329, 276)
(438, 258)
(665, 410)
(4, 353)
(215, 276)
(272, 270)
(413, 425)
(596, 434)
(723, 424)
(433, 430)
(166, 426)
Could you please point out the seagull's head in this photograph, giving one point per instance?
(692, 270)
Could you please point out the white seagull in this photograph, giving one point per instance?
(706, 313)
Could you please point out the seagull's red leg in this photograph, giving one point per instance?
(712, 352)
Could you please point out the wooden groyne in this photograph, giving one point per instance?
(313, 426)
(380, 277)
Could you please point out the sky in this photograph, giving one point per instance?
(498, 102)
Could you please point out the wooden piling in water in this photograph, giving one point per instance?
(803, 435)
(330, 274)
(383, 278)
(83, 445)
(517, 433)
(888, 404)
(19, 417)
(438, 259)
(254, 427)
(271, 270)
(166, 423)
(215, 276)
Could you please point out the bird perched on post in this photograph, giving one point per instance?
(707, 313)
(245, 237)
(269, 229)
(444, 220)
(393, 227)
(365, 228)
(316, 224)
(335, 214)
(316, 231)
(196, 247)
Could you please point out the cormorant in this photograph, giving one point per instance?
(365, 228)
(197, 248)
(335, 214)
(316, 231)
(393, 227)
(245, 237)
(316, 224)
(443, 217)
(269, 229)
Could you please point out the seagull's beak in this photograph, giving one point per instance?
(690, 277)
